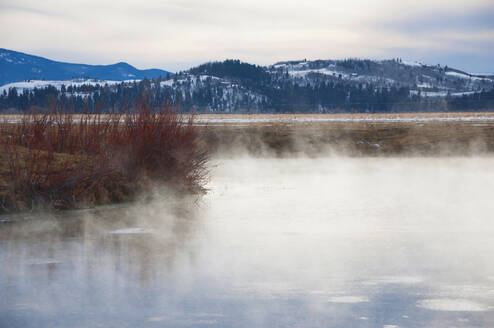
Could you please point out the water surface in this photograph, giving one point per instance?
(324, 242)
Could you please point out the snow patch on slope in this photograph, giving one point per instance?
(30, 85)
(466, 76)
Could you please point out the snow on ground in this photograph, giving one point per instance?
(324, 71)
(338, 74)
(168, 83)
(441, 93)
(414, 63)
(210, 120)
(330, 118)
(29, 85)
(466, 76)
(193, 79)
(489, 74)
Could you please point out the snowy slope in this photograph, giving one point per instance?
(320, 85)
(16, 66)
(435, 80)
(225, 95)
(30, 85)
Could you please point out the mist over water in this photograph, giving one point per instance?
(277, 242)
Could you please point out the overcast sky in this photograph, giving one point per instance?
(178, 34)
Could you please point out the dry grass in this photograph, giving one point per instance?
(355, 135)
(65, 161)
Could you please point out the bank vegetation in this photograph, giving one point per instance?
(62, 161)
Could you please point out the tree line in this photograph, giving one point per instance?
(239, 87)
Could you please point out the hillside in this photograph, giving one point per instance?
(351, 85)
(385, 73)
(17, 66)
(323, 86)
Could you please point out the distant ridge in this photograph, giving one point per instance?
(324, 86)
(17, 66)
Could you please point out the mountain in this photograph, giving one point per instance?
(431, 80)
(322, 85)
(350, 85)
(17, 66)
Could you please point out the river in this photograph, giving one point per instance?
(292, 242)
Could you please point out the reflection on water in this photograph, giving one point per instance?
(321, 242)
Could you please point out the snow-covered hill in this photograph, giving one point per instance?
(431, 80)
(214, 93)
(231, 86)
(17, 66)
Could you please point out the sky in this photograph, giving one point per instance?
(178, 34)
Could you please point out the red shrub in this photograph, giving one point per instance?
(65, 160)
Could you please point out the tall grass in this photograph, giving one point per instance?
(64, 161)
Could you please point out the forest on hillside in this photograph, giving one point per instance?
(233, 86)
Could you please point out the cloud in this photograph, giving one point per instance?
(13, 8)
(175, 34)
(470, 21)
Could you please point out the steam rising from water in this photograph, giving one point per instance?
(360, 242)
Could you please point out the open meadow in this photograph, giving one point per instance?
(407, 134)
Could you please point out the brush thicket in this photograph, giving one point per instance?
(59, 160)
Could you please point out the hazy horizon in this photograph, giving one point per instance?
(176, 35)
